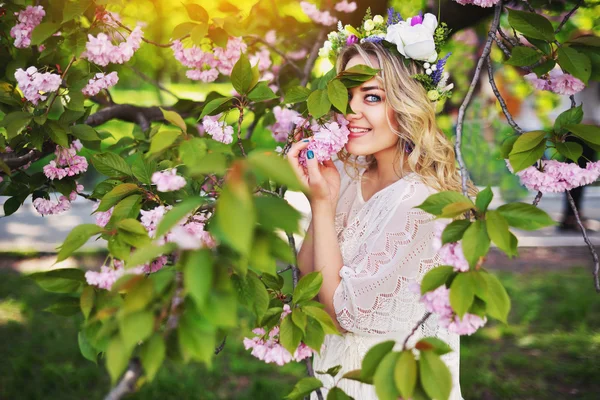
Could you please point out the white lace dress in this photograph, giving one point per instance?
(386, 245)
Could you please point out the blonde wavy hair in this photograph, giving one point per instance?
(432, 156)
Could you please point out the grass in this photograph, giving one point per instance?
(550, 349)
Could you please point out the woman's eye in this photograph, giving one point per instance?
(371, 98)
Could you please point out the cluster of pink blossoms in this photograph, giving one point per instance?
(220, 131)
(327, 139)
(35, 85)
(48, 207)
(100, 81)
(102, 217)
(107, 276)
(344, 6)
(168, 180)
(558, 176)
(320, 17)
(101, 51)
(438, 302)
(450, 253)
(67, 163)
(557, 82)
(270, 350)
(205, 66)
(480, 3)
(28, 19)
(284, 122)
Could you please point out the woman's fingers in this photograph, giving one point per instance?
(312, 165)
(293, 155)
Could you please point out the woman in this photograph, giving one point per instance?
(366, 236)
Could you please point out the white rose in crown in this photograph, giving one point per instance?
(414, 37)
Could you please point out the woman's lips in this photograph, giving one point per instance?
(361, 132)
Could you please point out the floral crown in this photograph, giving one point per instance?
(418, 38)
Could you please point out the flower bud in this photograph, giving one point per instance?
(378, 19)
(369, 25)
(433, 95)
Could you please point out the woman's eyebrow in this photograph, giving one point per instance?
(367, 88)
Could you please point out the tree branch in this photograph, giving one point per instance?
(507, 114)
(258, 39)
(314, 53)
(125, 112)
(467, 100)
(566, 18)
(596, 267)
(421, 322)
(128, 382)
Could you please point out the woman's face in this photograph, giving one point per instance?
(370, 132)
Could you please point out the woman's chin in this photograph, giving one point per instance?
(357, 150)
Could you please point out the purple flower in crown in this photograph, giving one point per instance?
(436, 76)
(417, 19)
(374, 39)
(393, 17)
(352, 39)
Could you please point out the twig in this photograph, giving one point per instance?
(507, 38)
(537, 199)
(167, 45)
(276, 50)
(220, 348)
(467, 100)
(295, 270)
(311, 372)
(508, 115)
(502, 47)
(263, 190)
(573, 102)
(281, 271)
(314, 52)
(566, 18)
(239, 132)
(587, 241)
(61, 78)
(529, 7)
(176, 301)
(421, 322)
(152, 81)
(128, 381)
(252, 126)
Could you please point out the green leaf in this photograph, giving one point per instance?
(86, 349)
(507, 146)
(299, 319)
(162, 140)
(274, 212)
(454, 231)
(13, 204)
(136, 327)
(571, 150)
(174, 118)
(218, 36)
(384, 378)
(118, 248)
(258, 295)
(322, 317)
(484, 198)
(289, 334)
(438, 346)
(525, 216)
(405, 374)
(183, 29)
(435, 203)
(64, 280)
(216, 106)
(58, 134)
(143, 169)
(192, 151)
(77, 238)
(455, 209)
(543, 45)
(74, 9)
(152, 355)
(522, 56)
(117, 194)
(304, 387)
(262, 92)
(296, 94)
(524, 159)
(318, 103)
(589, 133)
(577, 64)
(544, 67)
(496, 299)
(133, 226)
(84, 132)
(196, 338)
(15, 122)
(43, 31)
(475, 242)
(196, 12)
(177, 213)
(572, 116)
(308, 287)
(498, 231)
(129, 207)
(374, 358)
(86, 301)
(434, 376)
(273, 166)
(66, 307)
(117, 358)
(528, 141)
(531, 25)
(335, 393)
(148, 253)
(338, 95)
(314, 335)
(198, 33)
(435, 278)
(137, 297)
(111, 165)
(462, 293)
(241, 75)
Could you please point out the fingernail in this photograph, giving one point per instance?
(306, 140)
(310, 154)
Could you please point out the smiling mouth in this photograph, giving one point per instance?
(358, 132)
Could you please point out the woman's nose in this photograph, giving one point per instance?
(355, 106)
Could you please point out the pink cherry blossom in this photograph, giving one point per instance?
(151, 218)
(102, 217)
(328, 138)
(467, 325)
(557, 176)
(228, 56)
(48, 207)
(324, 18)
(101, 51)
(107, 276)
(36, 85)
(191, 235)
(168, 180)
(344, 6)
(564, 84)
(271, 37)
(262, 59)
(220, 131)
(284, 122)
(207, 75)
(27, 19)
(297, 55)
(100, 81)
(67, 163)
(480, 3)
(539, 84)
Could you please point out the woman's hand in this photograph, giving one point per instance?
(323, 181)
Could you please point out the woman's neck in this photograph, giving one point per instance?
(385, 171)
